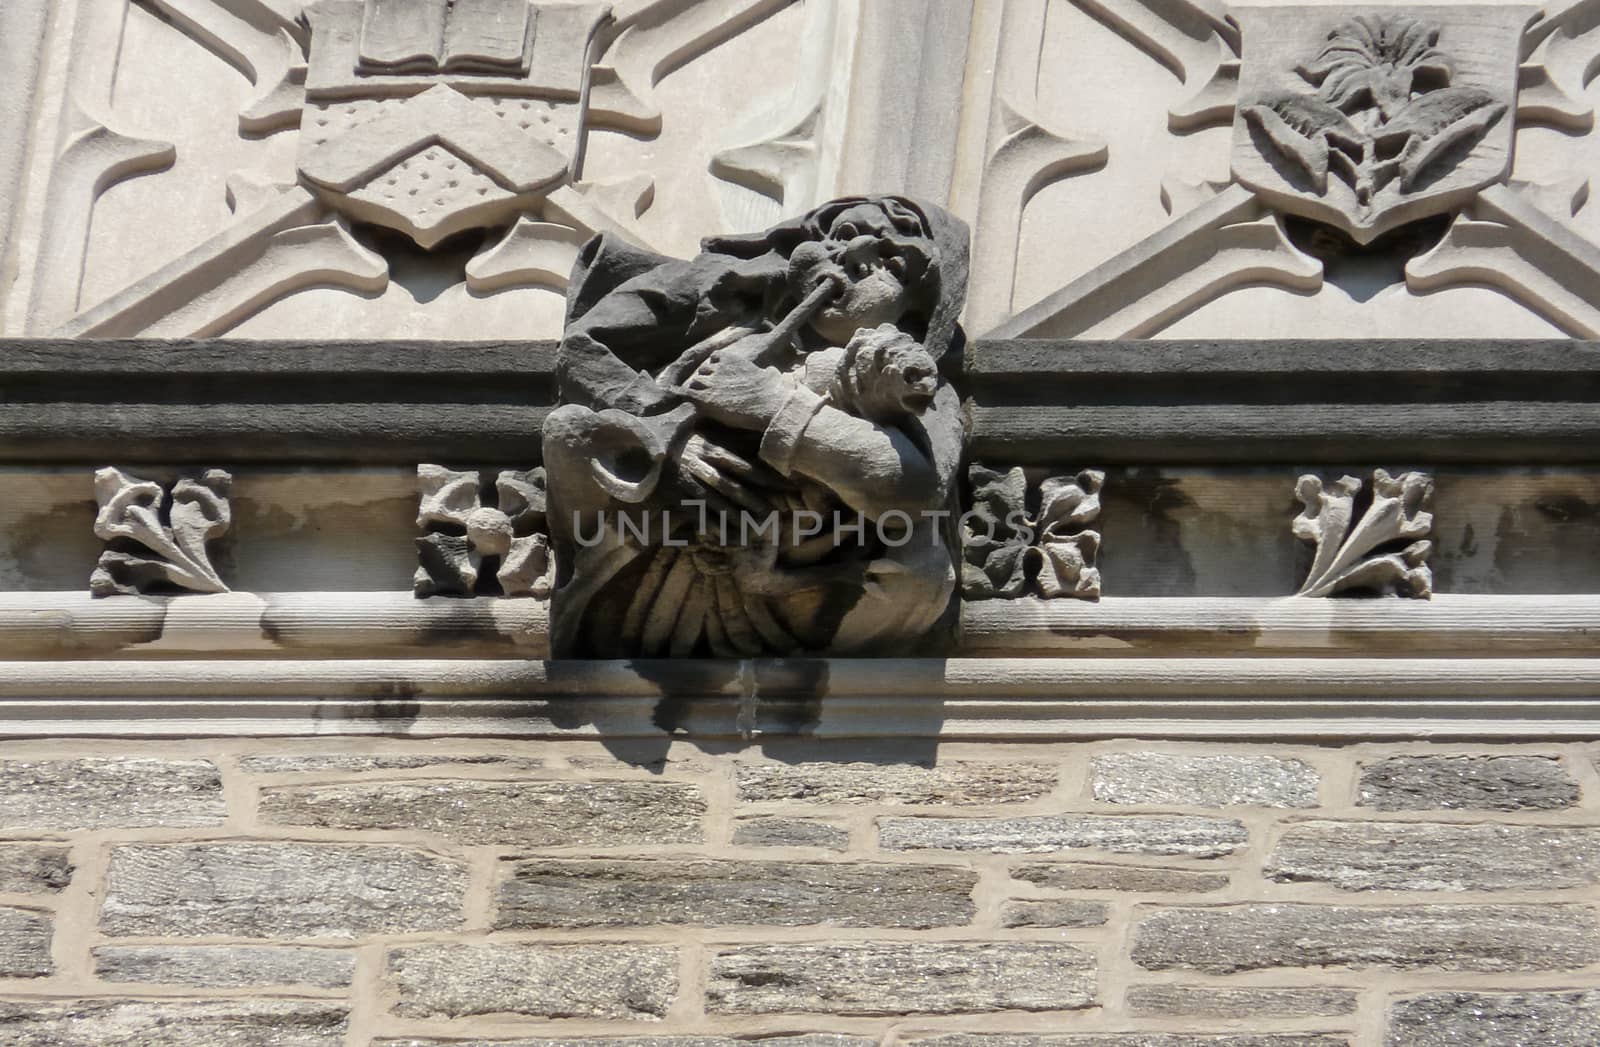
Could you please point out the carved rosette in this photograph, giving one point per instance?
(1010, 551)
(463, 533)
(1379, 549)
(1369, 117)
(158, 536)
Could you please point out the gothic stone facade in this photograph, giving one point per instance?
(680, 523)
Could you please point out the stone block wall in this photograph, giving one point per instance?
(1102, 894)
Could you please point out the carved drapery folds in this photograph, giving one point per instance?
(755, 452)
(158, 536)
(463, 532)
(1013, 550)
(1379, 547)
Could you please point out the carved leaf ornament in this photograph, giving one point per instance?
(1006, 548)
(1384, 107)
(158, 538)
(462, 531)
(1359, 553)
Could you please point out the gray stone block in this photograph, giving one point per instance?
(546, 893)
(1191, 835)
(947, 784)
(1052, 912)
(34, 868)
(1133, 1039)
(1101, 876)
(24, 943)
(1487, 783)
(789, 832)
(519, 814)
(546, 981)
(1487, 1019)
(225, 966)
(862, 978)
(353, 763)
(1194, 780)
(804, 1040)
(109, 792)
(171, 1023)
(279, 890)
(1225, 939)
(1213, 1001)
(1421, 856)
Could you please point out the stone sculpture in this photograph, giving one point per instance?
(1009, 551)
(755, 453)
(1379, 550)
(157, 535)
(462, 531)
(1393, 114)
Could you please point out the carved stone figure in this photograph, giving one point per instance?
(1393, 114)
(157, 535)
(1010, 551)
(462, 531)
(756, 455)
(1379, 550)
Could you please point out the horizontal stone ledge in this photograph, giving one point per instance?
(46, 625)
(952, 683)
(309, 624)
(1186, 626)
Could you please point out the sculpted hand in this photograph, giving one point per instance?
(733, 389)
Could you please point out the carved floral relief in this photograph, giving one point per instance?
(158, 536)
(463, 532)
(1051, 551)
(1381, 548)
(1368, 117)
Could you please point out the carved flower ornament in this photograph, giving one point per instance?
(1384, 107)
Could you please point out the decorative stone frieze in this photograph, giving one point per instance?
(1368, 117)
(1380, 547)
(1019, 538)
(755, 453)
(158, 536)
(463, 533)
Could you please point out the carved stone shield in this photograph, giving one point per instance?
(1369, 117)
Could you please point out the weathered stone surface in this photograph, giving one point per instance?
(34, 868)
(805, 1040)
(900, 977)
(528, 814)
(109, 792)
(1213, 1001)
(1488, 783)
(1190, 835)
(549, 981)
(1194, 780)
(1052, 912)
(947, 784)
(171, 1023)
(546, 893)
(323, 763)
(24, 943)
(1132, 1039)
(1227, 938)
(1420, 856)
(789, 832)
(279, 890)
(1101, 876)
(1453, 1019)
(225, 966)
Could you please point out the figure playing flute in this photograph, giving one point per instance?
(755, 454)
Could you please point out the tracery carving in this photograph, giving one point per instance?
(1381, 548)
(1010, 550)
(463, 533)
(158, 535)
(756, 454)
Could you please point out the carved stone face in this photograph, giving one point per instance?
(874, 262)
